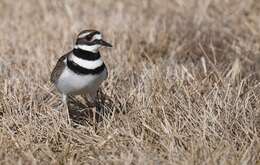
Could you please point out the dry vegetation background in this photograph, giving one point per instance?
(183, 84)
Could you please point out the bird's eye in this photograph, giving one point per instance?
(88, 38)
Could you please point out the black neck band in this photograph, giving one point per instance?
(86, 55)
(80, 70)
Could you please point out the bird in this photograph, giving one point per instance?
(81, 70)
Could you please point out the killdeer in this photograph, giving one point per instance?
(81, 71)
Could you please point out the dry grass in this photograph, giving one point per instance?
(183, 84)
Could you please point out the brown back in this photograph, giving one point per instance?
(56, 72)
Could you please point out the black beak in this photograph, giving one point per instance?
(104, 43)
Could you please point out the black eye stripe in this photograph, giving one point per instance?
(88, 37)
(87, 42)
(95, 42)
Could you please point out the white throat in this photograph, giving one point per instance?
(90, 48)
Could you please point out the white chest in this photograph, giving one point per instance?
(72, 83)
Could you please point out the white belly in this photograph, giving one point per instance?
(72, 83)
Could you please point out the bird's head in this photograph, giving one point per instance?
(90, 40)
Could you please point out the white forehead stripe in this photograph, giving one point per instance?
(97, 36)
(84, 35)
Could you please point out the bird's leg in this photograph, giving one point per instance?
(65, 102)
(93, 97)
(64, 99)
(90, 98)
(94, 102)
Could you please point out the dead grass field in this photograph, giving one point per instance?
(183, 84)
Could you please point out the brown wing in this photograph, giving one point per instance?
(56, 72)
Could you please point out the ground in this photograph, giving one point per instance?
(183, 85)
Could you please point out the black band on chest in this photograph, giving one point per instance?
(80, 70)
(86, 55)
